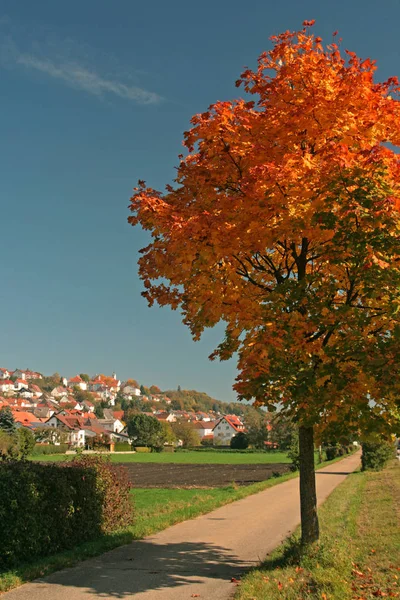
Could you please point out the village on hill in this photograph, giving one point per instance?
(81, 411)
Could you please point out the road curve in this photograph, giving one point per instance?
(197, 558)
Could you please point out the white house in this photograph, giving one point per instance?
(19, 384)
(227, 427)
(6, 385)
(4, 373)
(113, 425)
(77, 382)
(203, 428)
(129, 390)
(72, 425)
(59, 391)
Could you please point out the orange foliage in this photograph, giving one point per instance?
(284, 224)
(106, 380)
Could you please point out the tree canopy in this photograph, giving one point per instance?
(284, 224)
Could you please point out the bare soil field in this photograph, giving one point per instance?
(155, 475)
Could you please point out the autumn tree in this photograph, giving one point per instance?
(283, 223)
(186, 434)
(154, 389)
(132, 382)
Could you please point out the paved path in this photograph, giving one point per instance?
(196, 558)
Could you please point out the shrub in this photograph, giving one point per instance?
(168, 449)
(239, 441)
(49, 449)
(45, 508)
(294, 452)
(122, 447)
(375, 455)
(142, 449)
(26, 442)
(331, 452)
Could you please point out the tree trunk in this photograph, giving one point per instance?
(308, 495)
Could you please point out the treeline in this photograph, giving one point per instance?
(192, 400)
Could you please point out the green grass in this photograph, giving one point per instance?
(155, 510)
(357, 557)
(200, 458)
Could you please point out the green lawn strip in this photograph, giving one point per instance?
(192, 458)
(155, 510)
(201, 458)
(357, 557)
(377, 558)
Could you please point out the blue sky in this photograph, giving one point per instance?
(96, 94)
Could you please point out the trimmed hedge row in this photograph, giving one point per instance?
(39, 449)
(45, 508)
(122, 447)
(228, 450)
(375, 455)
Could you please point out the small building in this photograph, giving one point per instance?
(227, 427)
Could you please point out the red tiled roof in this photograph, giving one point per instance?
(21, 416)
(76, 379)
(233, 421)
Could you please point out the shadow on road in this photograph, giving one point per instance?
(144, 566)
(333, 472)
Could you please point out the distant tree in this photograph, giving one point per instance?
(239, 441)
(132, 383)
(99, 411)
(82, 395)
(26, 442)
(179, 388)
(47, 384)
(7, 422)
(154, 389)
(8, 445)
(282, 431)
(85, 377)
(185, 432)
(145, 431)
(168, 432)
(50, 435)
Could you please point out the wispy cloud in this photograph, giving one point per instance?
(74, 74)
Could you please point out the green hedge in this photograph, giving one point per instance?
(229, 450)
(49, 449)
(122, 447)
(143, 449)
(45, 508)
(375, 455)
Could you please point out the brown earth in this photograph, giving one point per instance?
(144, 475)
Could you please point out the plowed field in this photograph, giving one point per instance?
(189, 476)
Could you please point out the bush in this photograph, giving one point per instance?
(239, 441)
(49, 449)
(143, 449)
(375, 455)
(45, 508)
(26, 442)
(294, 452)
(168, 449)
(122, 447)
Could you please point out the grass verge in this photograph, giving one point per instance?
(192, 458)
(155, 510)
(357, 557)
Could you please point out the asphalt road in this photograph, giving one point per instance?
(197, 558)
